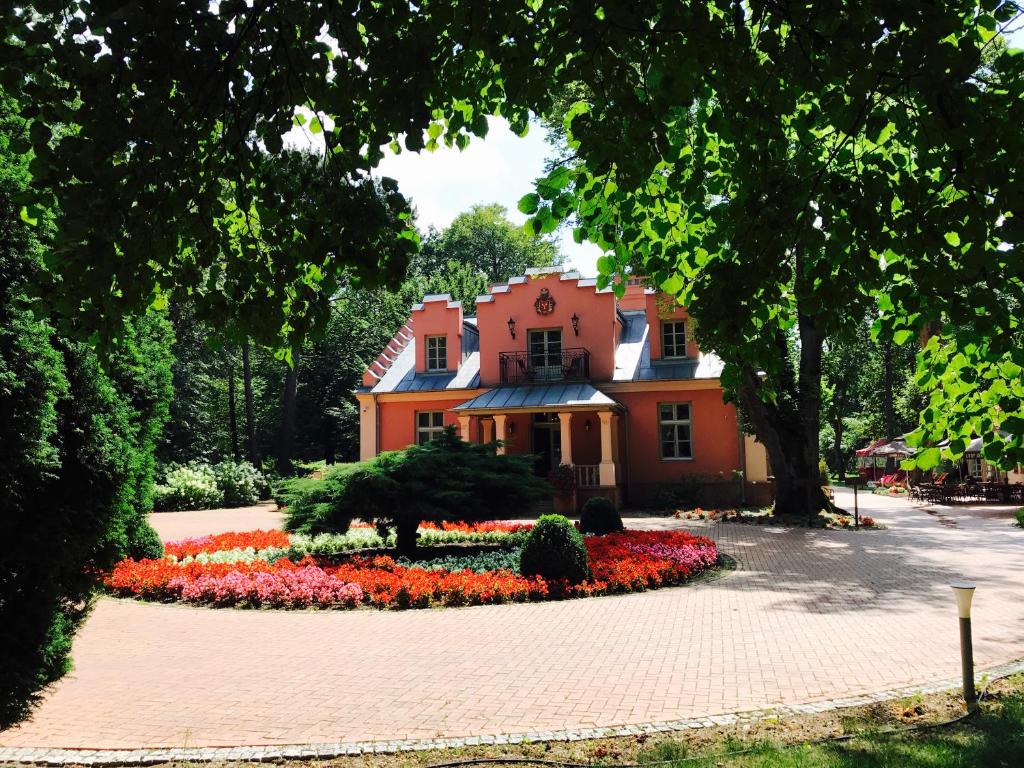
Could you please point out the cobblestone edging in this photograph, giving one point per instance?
(327, 750)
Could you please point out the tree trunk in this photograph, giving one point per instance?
(789, 429)
(405, 535)
(232, 416)
(888, 409)
(251, 449)
(287, 437)
(837, 448)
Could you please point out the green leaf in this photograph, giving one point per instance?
(30, 220)
(902, 336)
(953, 239)
(605, 265)
(929, 458)
(529, 203)
(672, 285)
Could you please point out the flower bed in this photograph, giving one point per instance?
(261, 568)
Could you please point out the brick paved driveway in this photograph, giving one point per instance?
(809, 615)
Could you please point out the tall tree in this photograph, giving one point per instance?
(206, 105)
(787, 169)
(252, 451)
(286, 444)
(232, 414)
(484, 240)
(77, 436)
(812, 157)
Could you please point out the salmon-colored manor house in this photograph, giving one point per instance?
(553, 366)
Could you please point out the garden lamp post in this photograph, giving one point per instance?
(964, 592)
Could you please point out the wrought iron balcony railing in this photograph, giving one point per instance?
(570, 364)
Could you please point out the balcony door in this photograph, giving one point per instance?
(546, 354)
(546, 442)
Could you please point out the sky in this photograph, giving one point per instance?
(498, 169)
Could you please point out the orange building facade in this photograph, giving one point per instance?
(554, 367)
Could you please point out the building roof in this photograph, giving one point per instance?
(533, 396)
(633, 356)
(402, 376)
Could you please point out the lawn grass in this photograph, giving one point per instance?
(849, 738)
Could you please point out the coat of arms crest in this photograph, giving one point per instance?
(545, 303)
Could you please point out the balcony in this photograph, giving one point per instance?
(570, 364)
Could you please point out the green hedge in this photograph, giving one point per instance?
(554, 549)
(599, 517)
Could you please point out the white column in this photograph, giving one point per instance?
(464, 426)
(499, 428)
(488, 429)
(367, 427)
(607, 468)
(566, 427)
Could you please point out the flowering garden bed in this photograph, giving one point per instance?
(275, 569)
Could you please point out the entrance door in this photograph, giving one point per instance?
(546, 442)
(546, 354)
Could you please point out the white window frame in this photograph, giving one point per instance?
(668, 329)
(551, 361)
(436, 359)
(425, 433)
(678, 425)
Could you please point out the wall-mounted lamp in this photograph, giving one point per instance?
(575, 320)
(586, 425)
(512, 424)
(512, 327)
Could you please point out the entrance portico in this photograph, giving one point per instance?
(573, 424)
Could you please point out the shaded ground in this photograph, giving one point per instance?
(807, 616)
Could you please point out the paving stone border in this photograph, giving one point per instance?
(108, 758)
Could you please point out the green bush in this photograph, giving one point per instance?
(240, 483)
(599, 516)
(1019, 514)
(188, 486)
(554, 549)
(447, 479)
(144, 542)
(204, 486)
(76, 453)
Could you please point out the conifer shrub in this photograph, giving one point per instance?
(77, 439)
(554, 550)
(599, 517)
(445, 480)
(144, 542)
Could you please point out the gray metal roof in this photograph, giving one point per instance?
(402, 376)
(633, 357)
(553, 395)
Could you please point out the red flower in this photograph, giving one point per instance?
(627, 561)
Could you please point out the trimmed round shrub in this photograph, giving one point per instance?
(554, 550)
(599, 517)
(144, 542)
(1019, 514)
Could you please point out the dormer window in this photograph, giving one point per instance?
(437, 353)
(673, 338)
